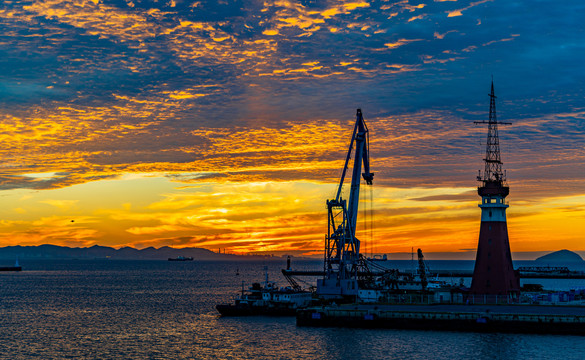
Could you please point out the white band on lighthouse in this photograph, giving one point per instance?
(493, 209)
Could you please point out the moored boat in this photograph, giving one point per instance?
(267, 300)
(270, 302)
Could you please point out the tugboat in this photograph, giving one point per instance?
(267, 300)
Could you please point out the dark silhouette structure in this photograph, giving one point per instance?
(494, 276)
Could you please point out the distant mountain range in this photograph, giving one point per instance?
(104, 252)
(165, 252)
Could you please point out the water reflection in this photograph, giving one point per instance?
(158, 310)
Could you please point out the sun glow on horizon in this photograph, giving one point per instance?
(143, 210)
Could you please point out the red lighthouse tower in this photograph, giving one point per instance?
(494, 278)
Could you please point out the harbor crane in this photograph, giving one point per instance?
(342, 248)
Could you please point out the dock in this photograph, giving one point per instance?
(472, 318)
(524, 274)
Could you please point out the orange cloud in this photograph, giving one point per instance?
(458, 12)
(400, 42)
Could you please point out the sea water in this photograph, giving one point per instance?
(114, 309)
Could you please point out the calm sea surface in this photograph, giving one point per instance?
(100, 309)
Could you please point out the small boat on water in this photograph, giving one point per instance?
(181, 258)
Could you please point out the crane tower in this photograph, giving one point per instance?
(342, 248)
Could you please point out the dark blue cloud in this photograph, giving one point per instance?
(165, 68)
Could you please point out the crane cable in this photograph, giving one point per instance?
(368, 215)
(372, 219)
(364, 214)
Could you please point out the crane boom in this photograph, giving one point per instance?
(361, 155)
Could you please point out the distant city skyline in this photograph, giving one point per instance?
(225, 124)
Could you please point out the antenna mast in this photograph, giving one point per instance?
(493, 162)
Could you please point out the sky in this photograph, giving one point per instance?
(225, 124)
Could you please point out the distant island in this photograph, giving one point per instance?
(125, 253)
(561, 256)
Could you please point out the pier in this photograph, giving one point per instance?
(479, 318)
(524, 274)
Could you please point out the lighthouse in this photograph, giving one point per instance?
(494, 278)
